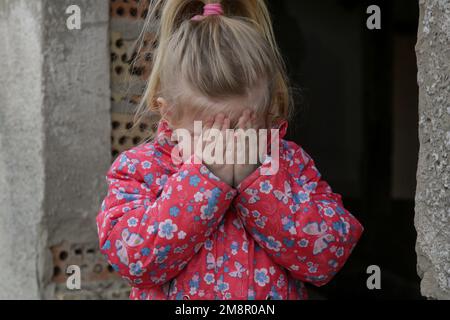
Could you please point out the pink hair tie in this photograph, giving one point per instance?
(210, 9)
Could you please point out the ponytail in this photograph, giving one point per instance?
(166, 17)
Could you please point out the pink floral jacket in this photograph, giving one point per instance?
(175, 231)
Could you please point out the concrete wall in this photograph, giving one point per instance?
(22, 171)
(432, 218)
(54, 136)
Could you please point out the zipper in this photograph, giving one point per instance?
(169, 290)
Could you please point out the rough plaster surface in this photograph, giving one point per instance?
(77, 113)
(432, 218)
(54, 135)
(21, 147)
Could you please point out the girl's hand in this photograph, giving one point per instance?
(241, 171)
(214, 148)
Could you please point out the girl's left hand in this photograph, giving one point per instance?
(241, 171)
(221, 168)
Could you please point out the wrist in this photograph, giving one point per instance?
(243, 174)
(221, 174)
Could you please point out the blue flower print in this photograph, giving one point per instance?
(333, 263)
(251, 294)
(146, 164)
(122, 194)
(174, 211)
(207, 212)
(209, 209)
(301, 197)
(289, 225)
(123, 159)
(303, 243)
(340, 211)
(340, 252)
(261, 277)
(167, 229)
(183, 174)
(234, 247)
(329, 212)
(133, 222)
(288, 242)
(148, 178)
(145, 252)
(194, 284)
(312, 268)
(132, 167)
(158, 154)
(274, 295)
(209, 278)
(265, 187)
(273, 244)
(341, 227)
(143, 296)
(208, 244)
(261, 222)
(162, 181)
(310, 187)
(153, 229)
(107, 245)
(162, 253)
(194, 181)
(221, 285)
(136, 269)
(270, 241)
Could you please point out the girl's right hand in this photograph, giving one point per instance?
(213, 143)
(247, 121)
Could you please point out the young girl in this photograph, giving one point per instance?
(187, 230)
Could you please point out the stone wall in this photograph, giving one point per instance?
(432, 218)
(55, 144)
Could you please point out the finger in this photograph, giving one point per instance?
(225, 135)
(250, 124)
(206, 125)
(243, 119)
(229, 140)
(218, 123)
(226, 124)
(199, 136)
(255, 121)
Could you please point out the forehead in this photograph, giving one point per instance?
(194, 107)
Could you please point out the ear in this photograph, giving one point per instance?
(162, 103)
(163, 107)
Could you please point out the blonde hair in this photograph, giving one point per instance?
(209, 62)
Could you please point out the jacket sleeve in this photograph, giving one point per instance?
(150, 225)
(297, 219)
